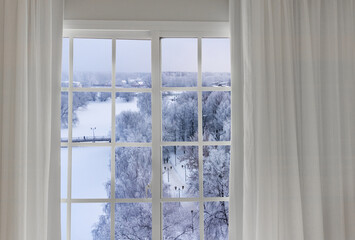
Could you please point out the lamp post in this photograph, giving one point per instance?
(192, 220)
(179, 189)
(167, 168)
(93, 133)
(185, 171)
(174, 103)
(175, 155)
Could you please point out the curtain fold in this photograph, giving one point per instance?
(298, 61)
(30, 106)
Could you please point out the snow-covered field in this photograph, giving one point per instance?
(98, 115)
(94, 115)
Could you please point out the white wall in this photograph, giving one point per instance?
(149, 10)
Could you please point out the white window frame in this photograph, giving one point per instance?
(153, 31)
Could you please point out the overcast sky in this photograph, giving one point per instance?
(178, 54)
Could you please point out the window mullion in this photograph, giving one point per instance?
(113, 140)
(70, 117)
(156, 138)
(200, 138)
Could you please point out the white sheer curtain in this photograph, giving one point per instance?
(296, 60)
(30, 54)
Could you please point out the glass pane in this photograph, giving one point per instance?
(181, 220)
(133, 172)
(216, 162)
(180, 171)
(216, 217)
(216, 65)
(133, 63)
(64, 171)
(92, 117)
(133, 221)
(92, 62)
(179, 62)
(90, 221)
(64, 110)
(91, 172)
(216, 116)
(179, 116)
(65, 62)
(133, 117)
(63, 221)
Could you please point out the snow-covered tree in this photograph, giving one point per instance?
(133, 166)
(216, 113)
(216, 220)
(135, 126)
(214, 79)
(132, 176)
(92, 79)
(216, 161)
(180, 118)
(133, 172)
(133, 221)
(101, 230)
(181, 221)
(179, 79)
(64, 110)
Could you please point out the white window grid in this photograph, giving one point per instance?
(157, 143)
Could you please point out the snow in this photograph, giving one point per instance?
(123, 105)
(90, 171)
(84, 216)
(87, 117)
(176, 178)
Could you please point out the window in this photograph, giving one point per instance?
(145, 143)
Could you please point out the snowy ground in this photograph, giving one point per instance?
(88, 117)
(176, 178)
